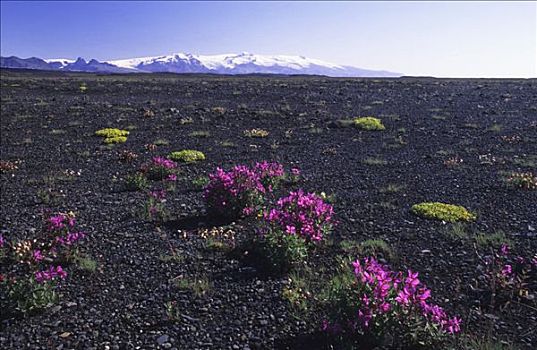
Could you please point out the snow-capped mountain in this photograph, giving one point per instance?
(243, 63)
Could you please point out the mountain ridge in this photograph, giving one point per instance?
(231, 64)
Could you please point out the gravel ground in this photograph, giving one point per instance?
(47, 125)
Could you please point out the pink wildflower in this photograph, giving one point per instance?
(403, 297)
(507, 270)
(412, 280)
(454, 325)
(56, 222)
(36, 254)
(248, 211)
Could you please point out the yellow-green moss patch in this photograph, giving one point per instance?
(368, 123)
(442, 211)
(111, 132)
(115, 139)
(112, 135)
(187, 156)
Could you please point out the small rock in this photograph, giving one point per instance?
(162, 339)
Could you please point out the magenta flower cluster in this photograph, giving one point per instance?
(60, 225)
(240, 190)
(31, 283)
(385, 291)
(160, 168)
(268, 171)
(60, 221)
(302, 214)
(158, 195)
(50, 274)
(163, 162)
(70, 238)
(2, 241)
(508, 273)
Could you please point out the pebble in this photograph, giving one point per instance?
(162, 339)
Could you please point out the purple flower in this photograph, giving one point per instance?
(412, 280)
(2, 241)
(295, 171)
(60, 272)
(382, 296)
(164, 162)
(158, 195)
(504, 250)
(171, 177)
(50, 274)
(36, 254)
(365, 317)
(385, 307)
(70, 239)
(303, 214)
(56, 222)
(520, 260)
(229, 192)
(403, 297)
(248, 211)
(424, 295)
(290, 229)
(507, 270)
(453, 325)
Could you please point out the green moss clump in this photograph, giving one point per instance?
(187, 156)
(116, 139)
(442, 211)
(368, 123)
(111, 133)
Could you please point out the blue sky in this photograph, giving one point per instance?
(457, 39)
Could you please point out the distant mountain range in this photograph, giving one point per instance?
(243, 63)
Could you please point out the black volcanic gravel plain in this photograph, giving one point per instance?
(48, 124)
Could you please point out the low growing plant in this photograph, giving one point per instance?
(136, 182)
(218, 238)
(494, 240)
(160, 168)
(256, 133)
(442, 211)
(506, 276)
(199, 286)
(370, 303)
(187, 156)
(127, 156)
(526, 181)
(112, 135)
(296, 224)
(200, 182)
(172, 311)
(369, 123)
(33, 270)
(154, 208)
(456, 231)
(242, 190)
(7, 166)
